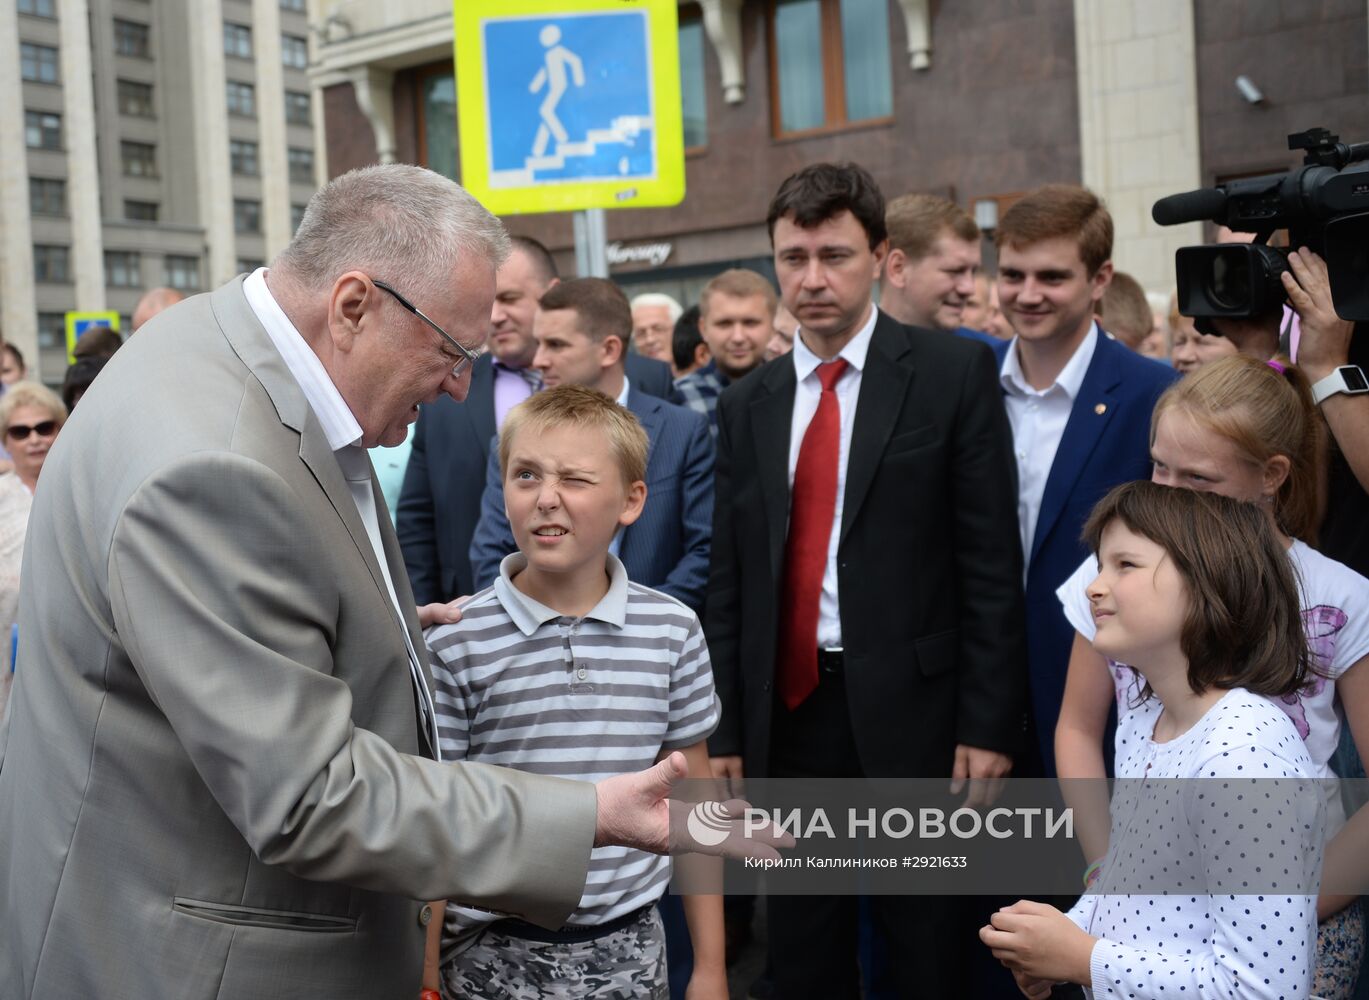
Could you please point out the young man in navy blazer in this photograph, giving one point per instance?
(1079, 403)
(582, 327)
(439, 504)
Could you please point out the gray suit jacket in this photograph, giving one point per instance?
(209, 781)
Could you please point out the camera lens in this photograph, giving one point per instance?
(1229, 282)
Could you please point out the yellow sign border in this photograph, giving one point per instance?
(107, 317)
(667, 188)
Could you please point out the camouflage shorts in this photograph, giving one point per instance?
(629, 962)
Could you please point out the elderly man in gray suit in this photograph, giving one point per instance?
(215, 775)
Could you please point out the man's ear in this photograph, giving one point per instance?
(632, 507)
(1101, 279)
(611, 350)
(348, 306)
(702, 355)
(884, 258)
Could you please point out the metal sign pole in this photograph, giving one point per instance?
(591, 256)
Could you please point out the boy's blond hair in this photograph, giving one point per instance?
(579, 406)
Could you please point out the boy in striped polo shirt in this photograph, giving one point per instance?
(565, 667)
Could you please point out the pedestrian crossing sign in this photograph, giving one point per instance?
(569, 104)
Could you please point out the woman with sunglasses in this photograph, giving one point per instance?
(30, 417)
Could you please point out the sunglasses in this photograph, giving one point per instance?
(20, 432)
(468, 357)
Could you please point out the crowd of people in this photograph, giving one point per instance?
(893, 518)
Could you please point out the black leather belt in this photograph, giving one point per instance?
(831, 662)
(570, 934)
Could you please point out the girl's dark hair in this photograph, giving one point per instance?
(1244, 626)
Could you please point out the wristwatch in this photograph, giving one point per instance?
(1348, 379)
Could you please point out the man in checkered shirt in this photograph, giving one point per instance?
(736, 310)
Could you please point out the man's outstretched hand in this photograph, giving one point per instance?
(635, 810)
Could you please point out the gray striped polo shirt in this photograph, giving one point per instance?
(519, 684)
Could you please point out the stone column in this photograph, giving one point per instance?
(215, 189)
(275, 166)
(1138, 123)
(83, 168)
(18, 306)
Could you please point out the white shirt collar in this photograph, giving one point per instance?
(806, 362)
(530, 615)
(334, 415)
(1069, 380)
(622, 396)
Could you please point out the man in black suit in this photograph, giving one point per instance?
(440, 502)
(864, 612)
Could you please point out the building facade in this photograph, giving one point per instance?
(161, 142)
(978, 100)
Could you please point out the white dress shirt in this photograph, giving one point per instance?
(806, 395)
(1038, 421)
(615, 547)
(343, 432)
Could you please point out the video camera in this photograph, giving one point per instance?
(1324, 205)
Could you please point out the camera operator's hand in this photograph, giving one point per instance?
(1324, 347)
(1325, 342)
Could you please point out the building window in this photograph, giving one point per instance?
(242, 99)
(437, 123)
(51, 263)
(847, 40)
(237, 40)
(693, 85)
(295, 5)
(131, 39)
(123, 269)
(135, 99)
(243, 157)
(182, 273)
(139, 158)
(294, 51)
(38, 8)
(297, 110)
(246, 265)
(246, 216)
(38, 63)
(42, 130)
(47, 196)
(301, 165)
(52, 333)
(296, 216)
(141, 211)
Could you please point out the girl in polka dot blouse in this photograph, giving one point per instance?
(1247, 430)
(1208, 886)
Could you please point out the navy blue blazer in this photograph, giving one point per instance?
(667, 547)
(1106, 442)
(439, 504)
(979, 335)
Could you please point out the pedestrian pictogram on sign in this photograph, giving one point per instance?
(569, 105)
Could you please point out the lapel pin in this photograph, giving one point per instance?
(1100, 409)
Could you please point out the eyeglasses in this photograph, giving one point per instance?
(20, 432)
(468, 357)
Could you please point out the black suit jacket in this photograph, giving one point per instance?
(439, 505)
(929, 560)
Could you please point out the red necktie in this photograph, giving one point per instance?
(812, 506)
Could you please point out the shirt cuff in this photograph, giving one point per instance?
(1105, 966)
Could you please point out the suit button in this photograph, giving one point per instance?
(765, 686)
(425, 915)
